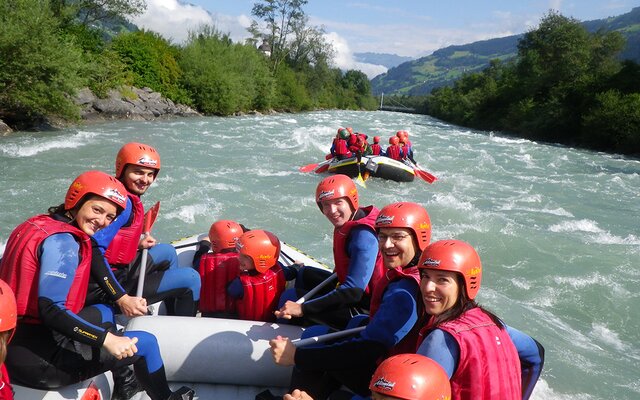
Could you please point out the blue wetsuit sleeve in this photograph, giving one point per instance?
(397, 315)
(104, 236)
(531, 354)
(102, 274)
(441, 347)
(290, 272)
(235, 289)
(362, 249)
(59, 261)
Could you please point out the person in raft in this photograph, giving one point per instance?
(339, 148)
(137, 166)
(358, 263)
(376, 149)
(394, 150)
(261, 278)
(8, 319)
(218, 267)
(407, 147)
(404, 229)
(47, 263)
(483, 357)
(404, 377)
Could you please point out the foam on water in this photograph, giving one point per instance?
(32, 147)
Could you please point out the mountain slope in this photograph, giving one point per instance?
(446, 65)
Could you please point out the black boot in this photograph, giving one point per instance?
(125, 384)
(184, 393)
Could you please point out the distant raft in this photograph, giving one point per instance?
(373, 166)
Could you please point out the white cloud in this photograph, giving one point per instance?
(344, 57)
(173, 20)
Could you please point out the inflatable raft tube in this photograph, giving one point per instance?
(377, 166)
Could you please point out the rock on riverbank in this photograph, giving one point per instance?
(129, 103)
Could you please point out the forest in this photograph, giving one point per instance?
(52, 48)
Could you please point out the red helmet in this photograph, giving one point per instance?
(394, 140)
(262, 246)
(376, 139)
(456, 256)
(8, 310)
(407, 215)
(99, 183)
(335, 187)
(223, 235)
(350, 130)
(411, 377)
(137, 154)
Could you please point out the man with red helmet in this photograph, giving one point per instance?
(47, 263)
(137, 166)
(483, 357)
(404, 229)
(394, 150)
(339, 147)
(358, 264)
(404, 377)
(217, 262)
(376, 149)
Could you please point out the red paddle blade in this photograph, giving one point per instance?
(323, 168)
(91, 393)
(427, 177)
(308, 168)
(150, 217)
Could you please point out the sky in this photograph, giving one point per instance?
(412, 28)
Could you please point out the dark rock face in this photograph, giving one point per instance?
(136, 104)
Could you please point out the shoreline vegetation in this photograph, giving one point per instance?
(81, 61)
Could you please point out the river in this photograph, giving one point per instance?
(557, 228)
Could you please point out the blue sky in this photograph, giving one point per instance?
(412, 28)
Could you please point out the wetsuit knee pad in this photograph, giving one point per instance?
(148, 348)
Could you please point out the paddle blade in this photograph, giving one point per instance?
(308, 168)
(360, 181)
(427, 177)
(92, 393)
(323, 168)
(150, 217)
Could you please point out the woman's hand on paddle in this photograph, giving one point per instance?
(289, 309)
(147, 241)
(283, 351)
(132, 306)
(297, 395)
(120, 346)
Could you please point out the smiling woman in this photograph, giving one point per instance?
(47, 263)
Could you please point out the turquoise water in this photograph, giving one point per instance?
(557, 229)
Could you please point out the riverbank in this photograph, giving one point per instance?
(128, 103)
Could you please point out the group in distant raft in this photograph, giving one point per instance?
(348, 144)
(75, 267)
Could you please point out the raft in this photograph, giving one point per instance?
(375, 166)
(219, 358)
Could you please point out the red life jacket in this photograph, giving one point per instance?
(405, 151)
(489, 367)
(20, 264)
(216, 271)
(375, 149)
(5, 391)
(261, 294)
(340, 256)
(340, 148)
(409, 343)
(124, 246)
(393, 151)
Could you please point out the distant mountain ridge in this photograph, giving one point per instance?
(386, 60)
(445, 66)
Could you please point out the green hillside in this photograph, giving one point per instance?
(446, 65)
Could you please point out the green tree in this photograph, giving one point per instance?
(90, 11)
(152, 62)
(39, 69)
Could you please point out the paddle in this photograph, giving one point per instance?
(316, 289)
(424, 175)
(92, 392)
(328, 336)
(359, 180)
(308, 167)
(149, 219)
